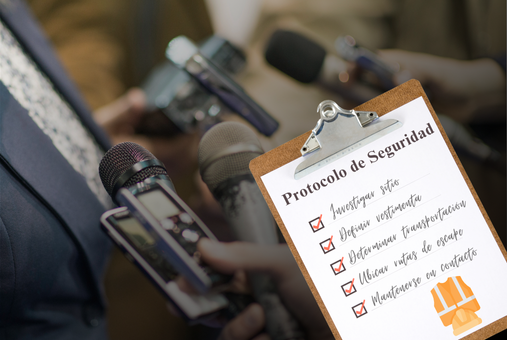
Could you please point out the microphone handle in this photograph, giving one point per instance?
(248, 215)
(218, 83)
(280, 324)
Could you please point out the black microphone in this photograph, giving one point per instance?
(225, 152)
(308, 62)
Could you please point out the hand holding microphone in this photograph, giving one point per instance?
(159, 233)
(278, 262)
(465, 90)
(130, 166)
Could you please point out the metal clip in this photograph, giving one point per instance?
(339, 132)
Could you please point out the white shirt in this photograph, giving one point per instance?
(52, 114)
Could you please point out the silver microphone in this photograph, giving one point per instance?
(225, 153)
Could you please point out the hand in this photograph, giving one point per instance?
(123, 115)
(277, 261)
(120, 119)
(458, 88)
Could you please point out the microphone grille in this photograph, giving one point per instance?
(121, 158)
(225, 151)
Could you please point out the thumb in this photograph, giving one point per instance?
(130, 106)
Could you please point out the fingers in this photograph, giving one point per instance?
(229, 257)
(410, 65)
(246, 325)
(185, 286)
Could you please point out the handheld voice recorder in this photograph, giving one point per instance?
(143, 248)
(159, 233)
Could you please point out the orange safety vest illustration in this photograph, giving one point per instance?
(456, 304)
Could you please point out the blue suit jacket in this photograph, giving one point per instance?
(52, 251)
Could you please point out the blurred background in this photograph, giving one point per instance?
(455, 48)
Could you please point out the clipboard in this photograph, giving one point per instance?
(291, 151)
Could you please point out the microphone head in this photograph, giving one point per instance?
(225, 151)
(295, 55)
(180, 49)
(117, 169)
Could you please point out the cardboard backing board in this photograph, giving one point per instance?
(291, 150)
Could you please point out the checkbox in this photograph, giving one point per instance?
(327, 245)
(316, 224)
(338, 267)
(349, 288)
(360, 309)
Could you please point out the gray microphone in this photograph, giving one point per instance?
(225, 152)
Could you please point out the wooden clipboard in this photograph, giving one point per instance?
(290, 151)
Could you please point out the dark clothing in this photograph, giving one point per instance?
(52, 251)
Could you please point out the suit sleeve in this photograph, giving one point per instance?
(7, 272)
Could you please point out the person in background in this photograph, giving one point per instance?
(457, 51)
(108, 47)
(52, 251)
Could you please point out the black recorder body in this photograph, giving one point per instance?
(158, 232)
(173, 93)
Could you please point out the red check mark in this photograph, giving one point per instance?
(329, 245)
(361, 310)
(318, 224)
(340, 266)
(348, 291)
